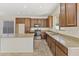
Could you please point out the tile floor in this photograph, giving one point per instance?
(40, 49)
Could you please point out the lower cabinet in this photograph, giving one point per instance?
(43, 35)
(56, 48)
(52, 48)
(59, 52)
(51, 44)
(48, 41)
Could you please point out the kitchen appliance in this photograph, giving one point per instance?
(37, 34)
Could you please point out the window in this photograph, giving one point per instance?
(8, 27)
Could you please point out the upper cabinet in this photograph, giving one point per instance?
(27, 22)
(68, 14)
(39, 21)
(27, 25)
(71, 14)
(62, 15)
(20, 20)
(50, 21)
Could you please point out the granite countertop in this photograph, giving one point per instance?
(25, 35)
(67, 41)
(67, 32)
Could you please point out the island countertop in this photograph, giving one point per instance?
(28, 35)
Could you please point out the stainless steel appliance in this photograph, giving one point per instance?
(37, 34)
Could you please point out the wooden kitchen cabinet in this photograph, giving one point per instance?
(61, 50)
(48, 40)
(32, 22)
(44, 22)
(20, 20)
(50, 21)
(71, 14)
(51, 44)
(38, 21)
(62, 19)
(52, 47)
(68, 14)
(27, 25)
(56, 48)
(77, 14)
(43, 35)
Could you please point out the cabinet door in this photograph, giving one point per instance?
(71, 14)
(63, 48)
(35, 21)
(32, 23)
(20, 20)
(50, 21)
(43, 35)
(59, 52)
(27, 22)
(52, 47)
(44, 22)
(27, 25)
(77, 14)
(39, 22)
(62, 16)
(51, 44)
(48, 41)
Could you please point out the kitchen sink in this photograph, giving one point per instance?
(53, 33)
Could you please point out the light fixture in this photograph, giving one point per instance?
(25, 6)
(40, 6)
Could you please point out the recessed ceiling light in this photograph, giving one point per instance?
(25, 6)
(40, 6)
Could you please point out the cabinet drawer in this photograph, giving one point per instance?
(64, 49)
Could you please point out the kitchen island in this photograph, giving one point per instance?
(17, 43)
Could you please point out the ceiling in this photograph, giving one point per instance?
(27, 9)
